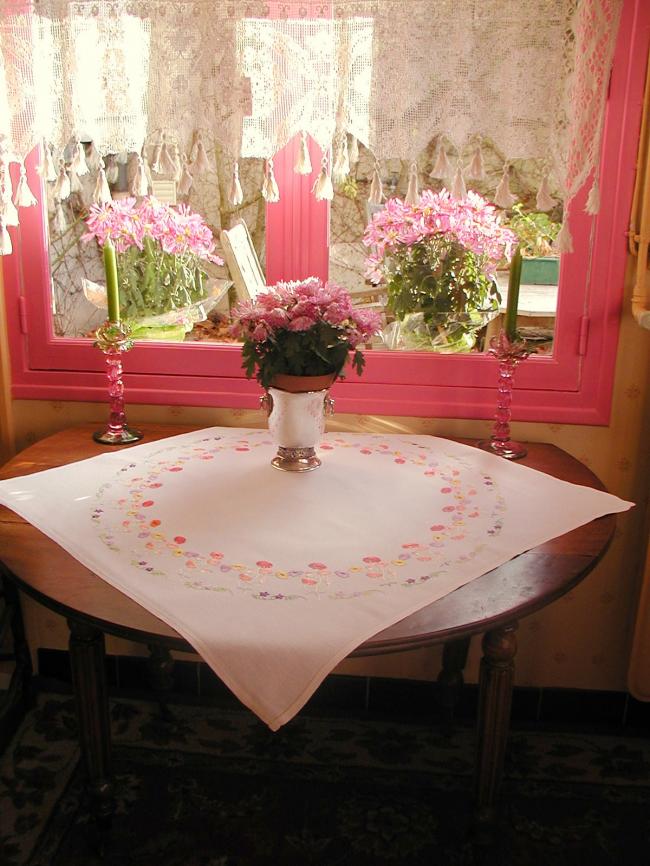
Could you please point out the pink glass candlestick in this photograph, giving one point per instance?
(113, 338)
(509, 354)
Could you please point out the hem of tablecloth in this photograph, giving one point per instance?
(276, 720)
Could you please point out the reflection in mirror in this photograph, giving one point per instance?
(533, 212)
(78, 293)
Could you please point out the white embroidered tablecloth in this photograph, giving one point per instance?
(274, 577)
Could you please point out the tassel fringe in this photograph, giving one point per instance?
(93, 158)
(563, 243)
(75, 183)
(201, 163)
(593, 199)
(353, 150)
(412, 196)
(6, 189)
(236, 193)
(46, 169)
(270, 191)
(341, 167)
(24, 196)
(458, 188)
(167, 164)
(8, 212)
(62, 186)
(376, 193)
(139, 183)
(60, 222)
(441, 167)
(544, 201)
(155, 159)
(503, 198)
(303, 161)
(79, 165)
(112, 170)
(186, 180)
(323, 189)
(476, 168)
(178, 165)
(5, 240)
(102, 193)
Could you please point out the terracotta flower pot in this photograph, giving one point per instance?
(302, 384)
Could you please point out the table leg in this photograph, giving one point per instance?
(450, 679)
(89, 680)
(495, 699)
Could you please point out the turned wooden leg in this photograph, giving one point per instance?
(450, 679)
(160, 668)
(89, 680)
(495, 699)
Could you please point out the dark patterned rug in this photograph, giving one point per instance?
(198, 786)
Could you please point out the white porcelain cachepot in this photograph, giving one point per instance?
(296, 423)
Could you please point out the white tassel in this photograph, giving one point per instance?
(341, 167)
(147, 175)
(186, 180)
(458, 188)
(593, 199)
(442, 167)
(102, 193)
(62, 186)
(112, 169)
(6, 188)
(79, 165)
(155, 159)
(167, 165)
(5, 240)
(476, 168)
(270, 191)
(93, 157)
(122, 157)
(563, 243)
(201, 163)
(503, 198)
(46, 168)
(60, 222)
(195, 148)
(353, 150)
(8, 212)
(544, 201)
(376, 193)
(75, 183)
(236, 193)
(323, 189)
(412, 196)
(303, 160)
(178, 166)
(139, 184)
(24, 196)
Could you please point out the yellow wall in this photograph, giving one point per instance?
(582, 640)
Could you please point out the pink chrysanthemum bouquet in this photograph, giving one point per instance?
(303, 328)
(438, 257)
(161, 253)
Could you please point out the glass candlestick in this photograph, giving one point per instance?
(113, 338)
(508, 353)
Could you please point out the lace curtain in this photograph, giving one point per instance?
(160, 82)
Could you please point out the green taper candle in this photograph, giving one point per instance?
(513, 295)
(112, 290)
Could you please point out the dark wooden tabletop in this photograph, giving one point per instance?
(519, 587)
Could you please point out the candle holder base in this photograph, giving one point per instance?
(125, 436)
(509, 449)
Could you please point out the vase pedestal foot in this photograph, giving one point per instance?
(295, 459)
